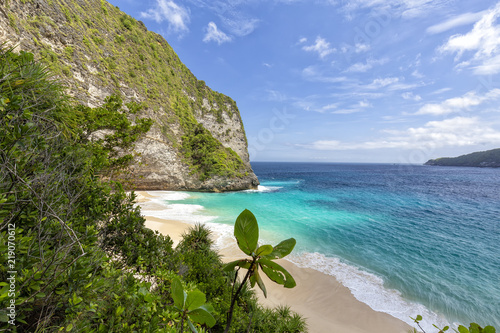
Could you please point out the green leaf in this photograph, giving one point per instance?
(246, 231)
(178, 294)
(119, 310)
(253, 281)
(419, 318)
(283, 249)
(202, 316)
(474, 328)
(243, 263)
(191, 326)
(489, 329)
(195, 299)
(277, 273)
(264, 250)
(69, 327)
(462, 329)
(260, 283)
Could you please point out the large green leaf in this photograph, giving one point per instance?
(202, 316)
(489, 329)
(277, 273)
(178, 293)
(243, 263)
(264, 250)
(260, 283)
(283, 249)
(246, 231)
(463, 329)
(195, 299)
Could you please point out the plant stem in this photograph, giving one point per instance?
(233, 301)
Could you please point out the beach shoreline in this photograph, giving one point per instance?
(327, 305)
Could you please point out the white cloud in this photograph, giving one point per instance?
(215, 35)
(454, 132)
(361, 67)
(313, 73)
(241, 26)
(232, 15)
(320, 46)
(457, 21)
(167, 10)
(458, 104)
(380, 83)
(483, 40)
(411, 96)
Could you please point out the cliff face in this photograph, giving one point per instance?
(197, 142)
(483, 159)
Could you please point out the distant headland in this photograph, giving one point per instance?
(484, 159)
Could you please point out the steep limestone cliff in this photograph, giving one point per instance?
(197, 142)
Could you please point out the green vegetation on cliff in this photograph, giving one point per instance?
(489, 158)
(76, 256)
(97, 50)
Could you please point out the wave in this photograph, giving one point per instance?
(159, 206)
(369, 289)
(262, 188)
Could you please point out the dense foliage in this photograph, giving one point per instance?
(75, 253)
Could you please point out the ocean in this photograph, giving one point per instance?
(405, 239)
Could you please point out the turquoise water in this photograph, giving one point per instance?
(406, 240)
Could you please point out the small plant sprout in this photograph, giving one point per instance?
(246, 231)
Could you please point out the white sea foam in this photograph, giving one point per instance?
(369, 289)
(159, 206)
(262, 188)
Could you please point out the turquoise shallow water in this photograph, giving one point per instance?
(406, 240)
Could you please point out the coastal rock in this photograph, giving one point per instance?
(97, 51)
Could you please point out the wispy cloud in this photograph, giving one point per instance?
(232, 15)
(456, 21)
(458, 131)
(483, 40)
(411, 96)
(403, 8)
(167, 10)
(458, 104)
(213, 34)
(320, 46)
(315, 74)
(362, 67)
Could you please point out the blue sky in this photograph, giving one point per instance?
(398, 81)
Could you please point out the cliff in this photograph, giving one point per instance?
(489, 158)
(197, 141)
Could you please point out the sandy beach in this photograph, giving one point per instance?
(327, 304)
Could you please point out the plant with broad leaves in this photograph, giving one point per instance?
(246, 231)
(191, 306)
(473, 327)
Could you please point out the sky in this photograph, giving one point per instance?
(376, 81)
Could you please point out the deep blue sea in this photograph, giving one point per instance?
(405, 239)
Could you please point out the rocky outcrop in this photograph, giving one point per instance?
(97, 50)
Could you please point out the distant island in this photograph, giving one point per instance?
(484, 159)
